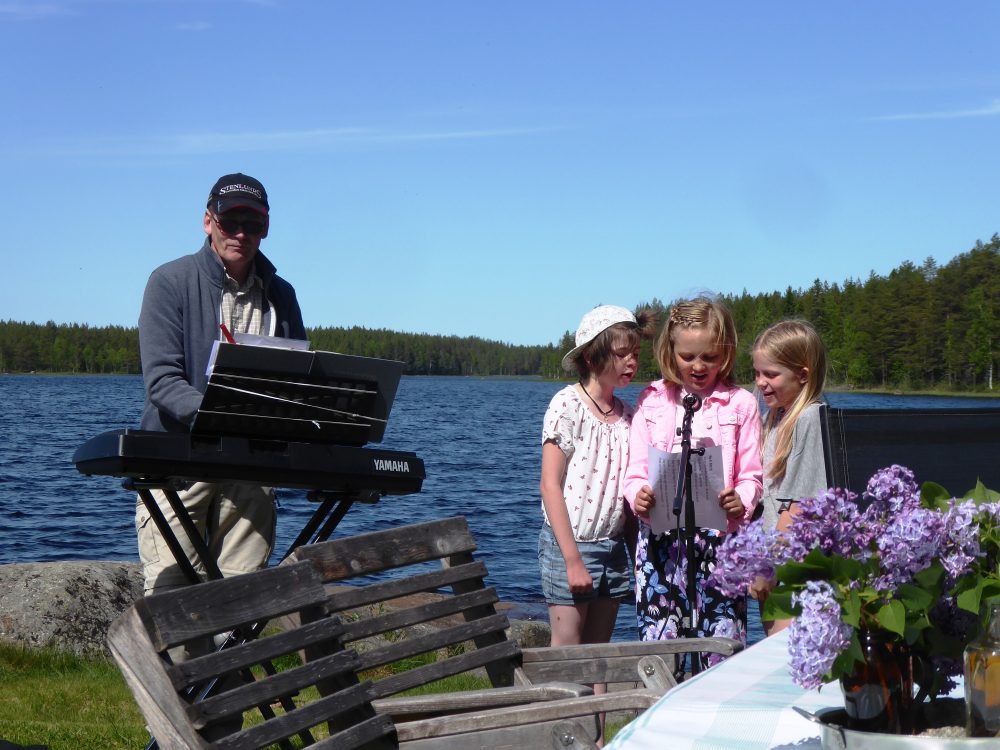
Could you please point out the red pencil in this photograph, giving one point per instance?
(227, 334)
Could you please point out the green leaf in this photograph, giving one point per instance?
(914, 598)
(930, 577)
(933, 495)
(981, 494)
(970, 598)
(778, 606)
(892, 617)
(843, 665)
(851, 609)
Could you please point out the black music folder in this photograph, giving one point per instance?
(294, 394)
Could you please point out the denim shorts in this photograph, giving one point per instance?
(606, 561)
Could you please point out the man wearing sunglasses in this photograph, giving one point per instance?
(189, 303)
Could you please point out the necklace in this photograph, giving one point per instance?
(597, 406)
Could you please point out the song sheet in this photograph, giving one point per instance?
(706, 483)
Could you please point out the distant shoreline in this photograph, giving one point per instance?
(537, 378)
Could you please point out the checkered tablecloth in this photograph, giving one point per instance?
(744, 703)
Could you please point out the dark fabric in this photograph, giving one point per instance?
(180, 318)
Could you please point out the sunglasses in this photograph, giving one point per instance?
(252, 227)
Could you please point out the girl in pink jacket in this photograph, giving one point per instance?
(696, 350)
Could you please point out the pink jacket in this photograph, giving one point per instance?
(737, 420)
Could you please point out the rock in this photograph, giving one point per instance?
(530, 633)
(65, 605)
(69, 606)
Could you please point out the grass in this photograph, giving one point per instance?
(64, 702)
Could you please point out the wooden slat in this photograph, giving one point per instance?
(611, 662)
(550, 711)
(305, 717)
(376, 733)
(408, 706)
(352, 597)
(407, 648)
(655, 673)
(142, 668)
(404, 618)
(594, 670)
(726, 646)
(484, 657)
(254, 652)
(266, 691)
(217, 606)
(437, 670)
(364, 554)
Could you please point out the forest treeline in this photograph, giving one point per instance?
(918, 327)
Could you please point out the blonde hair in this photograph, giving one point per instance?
(698, 313)
(794, 344)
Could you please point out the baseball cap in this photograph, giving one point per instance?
(238, 191)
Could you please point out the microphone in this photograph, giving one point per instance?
(692, 402)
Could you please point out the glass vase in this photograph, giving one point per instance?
(982, 680)
(879, 693)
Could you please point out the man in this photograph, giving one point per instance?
(230, 283)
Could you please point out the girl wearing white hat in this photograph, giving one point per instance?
(581, 548)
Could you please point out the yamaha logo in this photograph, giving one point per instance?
(382, 464)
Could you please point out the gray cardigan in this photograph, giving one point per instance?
(805, 472)
(180, 317)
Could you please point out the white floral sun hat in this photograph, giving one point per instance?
(594, 322)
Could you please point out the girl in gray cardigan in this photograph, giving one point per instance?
(789, 363)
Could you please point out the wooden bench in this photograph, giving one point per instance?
(171, 695)
(388, 568)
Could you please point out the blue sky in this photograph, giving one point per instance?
(493, 168)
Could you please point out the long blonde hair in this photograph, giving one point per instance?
(793, 344)
(698, 313)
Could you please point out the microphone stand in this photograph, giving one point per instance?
(689, 623)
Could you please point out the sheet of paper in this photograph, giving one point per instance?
(276, 342)
(249, 339)
(706, 484)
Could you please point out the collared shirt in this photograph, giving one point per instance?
(243, 305)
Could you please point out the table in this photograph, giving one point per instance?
(743, 703)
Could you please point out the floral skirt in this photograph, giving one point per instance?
(662, 589)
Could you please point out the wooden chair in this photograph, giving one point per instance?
(388, 599)
(169, 694)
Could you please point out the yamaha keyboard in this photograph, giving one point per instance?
(159, 457)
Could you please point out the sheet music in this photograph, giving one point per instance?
(250, 339)
(706, 483)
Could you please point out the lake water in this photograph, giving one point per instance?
(479, 439)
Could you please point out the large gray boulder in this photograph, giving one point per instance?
(69, 605)
(66, 605)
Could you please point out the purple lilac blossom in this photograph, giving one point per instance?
(817, 636)
(961, 543)
(947, 669)
(827, 521)
(742, 557)
(912, 540)
(894, 487)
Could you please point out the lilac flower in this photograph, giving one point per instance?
(817, 636)
(912, 540)
(827, 521)
(893, 488)
(742, 557)
(947, 669)
(961, 543)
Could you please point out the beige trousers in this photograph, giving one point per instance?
(237, 519)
